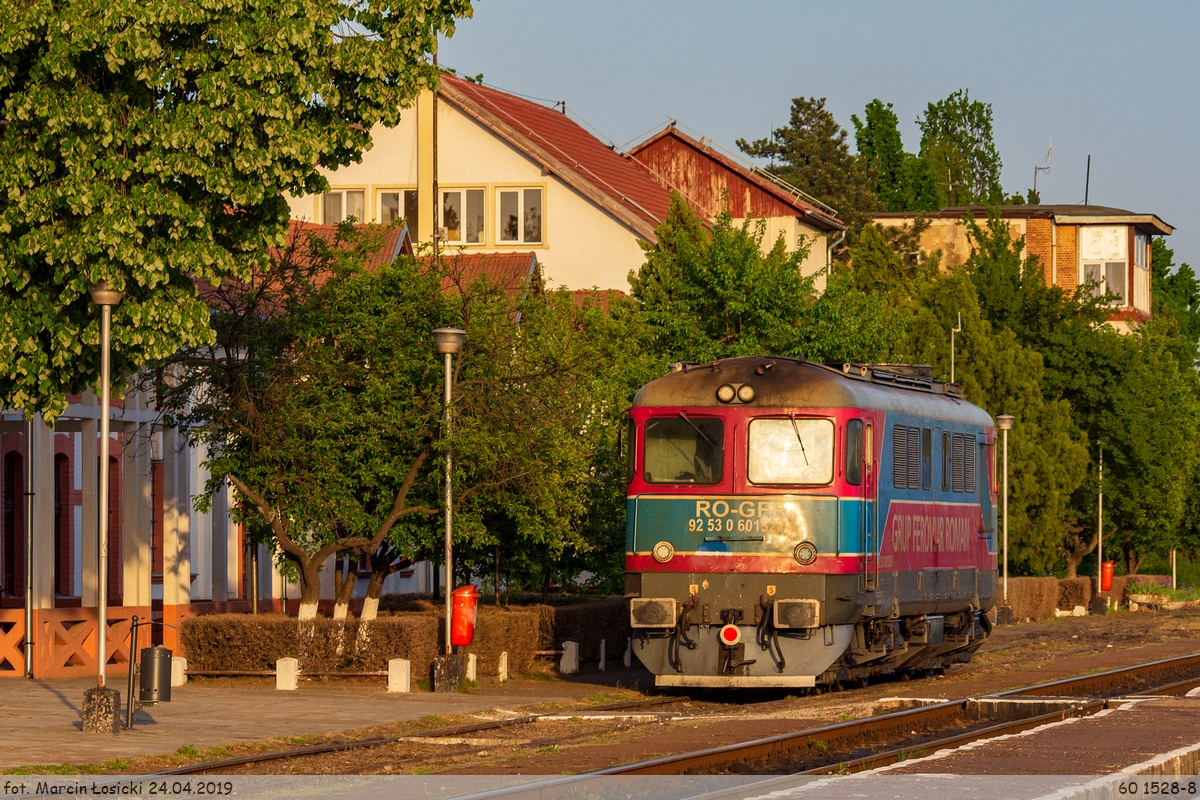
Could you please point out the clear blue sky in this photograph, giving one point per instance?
(1120, 81)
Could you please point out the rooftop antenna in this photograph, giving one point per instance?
(953, 331)
(1036, 170)
(1087, 183)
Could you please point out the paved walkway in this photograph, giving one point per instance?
(40, 720)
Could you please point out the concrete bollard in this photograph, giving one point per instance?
(502, 672)
(569, 663)
(399, 675)
(287, 674)
(178, 671)
(602, 655)
(628, 653)
(472, 666)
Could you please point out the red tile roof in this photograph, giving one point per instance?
(708, 178)
(513, 272)
(566, 149)
(394, 241)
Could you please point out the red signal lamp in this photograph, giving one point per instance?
(730, 635)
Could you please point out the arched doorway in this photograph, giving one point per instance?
(64, 529)
(12, 572)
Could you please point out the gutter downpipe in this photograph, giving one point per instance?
(1053, 252)
(829, 250)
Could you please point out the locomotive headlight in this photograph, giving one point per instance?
(663, 552)
(726, 393)
(746, 393)
(806, 553)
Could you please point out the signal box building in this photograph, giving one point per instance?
(1076, 245)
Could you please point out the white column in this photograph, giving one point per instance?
(41, 450)
(135, 511)
(177, 565)
(89, 485)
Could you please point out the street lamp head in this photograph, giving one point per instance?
(1005, 422)
(448, 340)
(104, 296)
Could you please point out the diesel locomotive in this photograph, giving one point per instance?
(793, 523)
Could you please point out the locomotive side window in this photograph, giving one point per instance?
(969, 464)
(683, 449)
(947, 462)
(900, 456)
(791, 450)
(906, 457)
(630, 448)
(926, 458)
(854, 452)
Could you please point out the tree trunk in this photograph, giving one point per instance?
(370, 609)
(345, 577)
(310, 590)
(1075, 548)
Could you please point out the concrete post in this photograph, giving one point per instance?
(399, 675)
(502, 670)
(569, 663)
(178, 671)
(472, 667)
(287, 674)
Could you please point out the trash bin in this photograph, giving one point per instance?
(155, 675)
(1106, 575)
(462, 620)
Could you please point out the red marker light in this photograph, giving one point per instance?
(730, 635)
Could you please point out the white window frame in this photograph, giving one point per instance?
(461, 191)
(520, 192)
(1103, 260)
(341, 192)
(396, 190)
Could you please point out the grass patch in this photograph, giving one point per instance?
(543, 677)
(605, 697)
(905, 755)
(544, 751)
(1187, 593)
(187, 751)
(108, 767)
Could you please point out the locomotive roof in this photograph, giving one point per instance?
(792, 383)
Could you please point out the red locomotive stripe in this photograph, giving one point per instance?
(742, 562)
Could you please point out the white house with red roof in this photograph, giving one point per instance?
(514, 175)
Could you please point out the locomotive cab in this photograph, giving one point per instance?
(769, 542)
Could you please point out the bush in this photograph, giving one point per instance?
(249, 642)
(1033, 598)
(1073, 592)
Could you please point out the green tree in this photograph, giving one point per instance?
(812, 154)
(904, 182)
(322, 407)
(149, 144)
(956, 141)
(704, 295)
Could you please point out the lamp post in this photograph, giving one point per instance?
(106, 298)
(449, 343)
(1100, 525)
(1005, 422)
(100, 705)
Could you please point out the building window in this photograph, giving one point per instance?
(520, 213)
(399, 204)
(462, 216)
(343, 204)
(1141, 272)
(1104, 255)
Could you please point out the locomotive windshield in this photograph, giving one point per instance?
(791, 450)
(683, 449)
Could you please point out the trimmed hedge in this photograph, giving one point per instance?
(588, 623)
(1032, 598)
(1074, 592)
(249, 642)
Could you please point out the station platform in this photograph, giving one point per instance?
(40, 720)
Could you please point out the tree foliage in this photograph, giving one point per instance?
(903, 182)
(956, 141)
(322, 405)
(812, 154)
(149, 144)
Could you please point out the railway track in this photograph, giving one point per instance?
(845, 747)
(877, 741)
